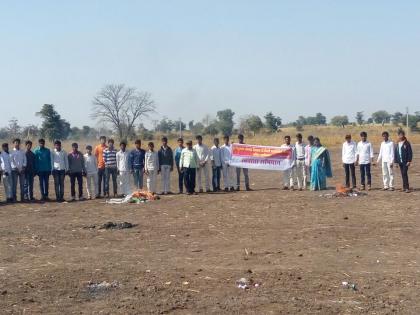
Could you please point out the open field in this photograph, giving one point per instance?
(186, 253)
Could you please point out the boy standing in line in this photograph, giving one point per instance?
(18, 161)
(244, 170)
(99, 153)
(123, 167)
(349, 160)
(308, 158)
(91, 166)
(300, 168)
(29, 172)
(178, 152)
(228, 171)
(110, 160)
(60, 166)
(6, 170)
(166, 163)
(203, 153)
(386, 156)
(216, 163)
(404, 156)
(76, 171)
(364, 157)
(289, 174)
(188, 164)
(43, 168)
(151, 167)
(137, 164)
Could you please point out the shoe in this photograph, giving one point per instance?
(300, 189)
(208, 190)
(201, 190)
(362, 187)
(98, 197)
(73, 199)
(82, 198)
(391, 189)
(248, 189)
(226, 189)
(407, 191)
(232, 189)
(292, 188)
(285, 188)
(195, 193)
(180, 192)
(384, 189)
(238, 189)
(369, 187)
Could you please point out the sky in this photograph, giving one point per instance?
(197, 57)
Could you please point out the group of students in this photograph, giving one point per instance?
(311, 166)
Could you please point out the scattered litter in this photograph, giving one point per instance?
(139, 196)
(101, 287)
(191, 290)
(242, 283)
(185, 283)
(117, 226)
(342, 191)
(349, 285)
(168, 283)
(4, 292)
(148, 270)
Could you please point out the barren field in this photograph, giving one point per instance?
(186, 253)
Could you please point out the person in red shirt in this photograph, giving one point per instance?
(101, 165)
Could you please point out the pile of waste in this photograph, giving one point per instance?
(139, 196)
(342, 191)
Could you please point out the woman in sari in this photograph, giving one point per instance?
(320, 166)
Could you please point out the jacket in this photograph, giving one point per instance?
(76, 163)
(406, 154)
(42, 160)
(166, 156)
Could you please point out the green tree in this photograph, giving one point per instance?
(53, 126)
(381, 117)
(211, 129)
(197, 129)
(272, 123)
(341, 121)
(254, 123)
(225, 121)
(360, 118)
(320, 119)
(397, 118)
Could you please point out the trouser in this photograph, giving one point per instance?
(7, 183)
(180, 180)
(166, 178)
(138, 178)
(29, 185)
(350, 170)
(59, 184)
(44, 183)
(365, 173)
(110, 172)
(288, 177)
(228, 173)
(124, 183)
(92, 178)
(308, 174)
(73, 177)
(404, 175)
(203, 169)
(189, 174)
(151, 181)
(101, 180)
(216, 177)
(238, 177)
(18, 176)
(300, 173)
(388, 175)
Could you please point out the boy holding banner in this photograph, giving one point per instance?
(289, 174)
(244, 170)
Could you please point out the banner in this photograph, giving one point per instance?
(261, 157)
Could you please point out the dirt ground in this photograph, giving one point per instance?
(187, 252)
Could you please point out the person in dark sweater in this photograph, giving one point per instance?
(29, 172)
(166, 164)
(76, 171)
(403, 157)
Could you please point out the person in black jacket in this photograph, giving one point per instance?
(29, 172)
(403, 157)
(166, 165)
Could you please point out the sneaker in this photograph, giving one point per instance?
(208, 190)
(285, 188)
(300, 189)
(82, 198)
(391, 189)
(369, 187)
(385, 189)
(407, 191)
(248, 189)
(226, 189)
(201, 190)
(232, 189)
(238, 188)
(292, 188)
(362, 187)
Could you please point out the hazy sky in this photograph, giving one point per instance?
(196, 57)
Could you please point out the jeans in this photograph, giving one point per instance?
(180, 180)
(349, 168)
(44, 182)
(29, 185)
(59, 176)
(16, 175)
(101, 181)
(217, 170)
(138, 178)
(109, 171)
(365, 173)
(189, 174)
(404, 175)
(165, 171)
(238, 177)
(73, 177)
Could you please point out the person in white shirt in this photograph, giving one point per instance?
(6, 172)
(300, 167)
(289, 174)
(349, 160)
(203, 153)
(216, 163)
(18, 163)
(387, 156)
(228, 170)
(308, 157)
(123, 167)
(91, 166)
(244, 170)
(60, 167)
(151, 167)
(364, 158)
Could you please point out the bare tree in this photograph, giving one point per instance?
(122, 107)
